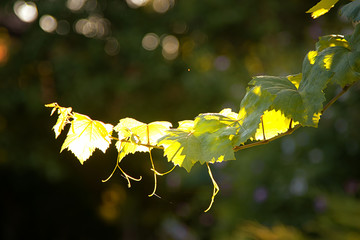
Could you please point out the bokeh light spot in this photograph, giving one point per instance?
(170, 46)
(75, 5)
(93, 27)
(150, 41)
(136, 3)
(26, 11)
(162, 6)
(112, 46)
(63, 27)
(48, 23)
(222, 63)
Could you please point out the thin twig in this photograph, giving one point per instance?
(263, 129)
(344, 90)
(263, 142)
(139, 143)
(151, 160)
(215, 189)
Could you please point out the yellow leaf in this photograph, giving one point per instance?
(274, 123)
(133, 135)
(63, 119)
(186, 125)
(321, 8)
(85, 135)
(229, 113)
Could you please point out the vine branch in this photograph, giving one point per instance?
(292, 129)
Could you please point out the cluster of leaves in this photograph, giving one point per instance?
(272, 107)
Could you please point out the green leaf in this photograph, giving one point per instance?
(351, 11)
(321, 8)
(215, 132)
(215, 147)
(315, 78)
(206, 139)
(256, 101)
(354, 39)
(181, 146)
(331, 41)
(287, 99)
(344, 64)
(85, 135)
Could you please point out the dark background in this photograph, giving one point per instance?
(303, 186)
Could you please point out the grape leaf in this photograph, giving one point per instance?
(135, 135)
(273, 123)
(331, 41)
(215, 132)
(351, 11)
(316, 76)
(85, 135)
(285, 104)
(344, 64)
(63, 118)
(286, 96)
(207, 139)
(354, 39)
(303, 100)
(181, 146)
(252, 107)
(321, 8)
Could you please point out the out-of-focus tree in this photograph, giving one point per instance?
(165, 60)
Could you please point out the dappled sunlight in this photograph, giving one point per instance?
(316, 117)
(295, 79)
(321, 8)
(155, 60)
(312, 56)
(328, 59)
(257, 90)
(274, 123)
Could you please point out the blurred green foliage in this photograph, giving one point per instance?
(304, 186)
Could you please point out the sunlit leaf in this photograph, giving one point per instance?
(331, 41)
(321, 8)
(135, 136)
(181, 147)
(85, 135)
(252, 107)
(315, 78)
(351, 10)
(286, 97)
(63, 118)
(215, 132)
(274, 123)
(344, 63)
